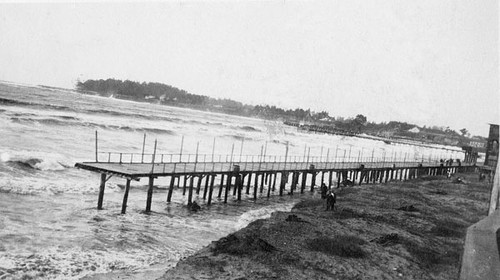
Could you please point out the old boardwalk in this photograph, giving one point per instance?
(262, 174)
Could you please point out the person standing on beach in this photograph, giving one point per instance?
(324, 190)
(331, 199)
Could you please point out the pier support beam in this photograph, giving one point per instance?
(101, 191)
(171, 188)
(239, 185)
(304, 180)
(313, 179)
(212, 179)
(150, 194)
(249, 182)
(221, 185)
(262, 182)
(284, 179)
(190, 192)
(274, 181)
(228, 186)
(125, 196)
(198, 187)
(207, 181)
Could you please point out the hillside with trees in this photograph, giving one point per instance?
(321, 121)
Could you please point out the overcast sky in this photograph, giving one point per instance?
(431, 62)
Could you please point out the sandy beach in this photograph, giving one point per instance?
(400, 230)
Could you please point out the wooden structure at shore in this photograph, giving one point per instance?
(261, 177)
(262, 174)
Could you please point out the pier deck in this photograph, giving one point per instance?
(140, 170)
(261, 175)
(257, 172)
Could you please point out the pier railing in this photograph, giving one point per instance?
(116, 157)
(225, 162)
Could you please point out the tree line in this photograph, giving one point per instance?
(170, 95)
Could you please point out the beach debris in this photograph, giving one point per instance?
(240, 245)
(459, 180)
(387, 239)
(98, 219)
(408, 208)
(294, 218)
(194, 206)
(347, 183)
(440, 192)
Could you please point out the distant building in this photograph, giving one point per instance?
(414, 130)
(491, 159)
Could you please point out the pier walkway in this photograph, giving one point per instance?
(241, 173)
(259, 176)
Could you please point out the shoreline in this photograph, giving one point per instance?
(418, 233)
(157, 270)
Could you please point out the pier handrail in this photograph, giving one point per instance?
(130, 158)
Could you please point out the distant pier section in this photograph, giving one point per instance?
(256, 175)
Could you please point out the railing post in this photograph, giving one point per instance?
(241, 148)
(286, 154)
(182, 146)
(143, 145)
(196, 157)
(153, 159)
(231, 159)
(96, 148)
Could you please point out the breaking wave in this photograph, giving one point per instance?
(37, 164)
(246, 128)
(68, 120)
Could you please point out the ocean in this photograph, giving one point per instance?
(49, 225)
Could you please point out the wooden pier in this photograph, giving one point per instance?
(264, 177)
(264, 174)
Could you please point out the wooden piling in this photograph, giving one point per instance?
(239, 185)
(184, 186)
(198, 187)
(283, 182)
(150, 194)
(304, 181)
(255, 186)
(212, 179)
(228, 186)
(101, 191)
(274, 181)
(313, 180)
(221, 185)
(205, 190)
(125, 196)
(262, 183)
(171, 188)
(269, 186)
(249, 182)
(190, 193)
